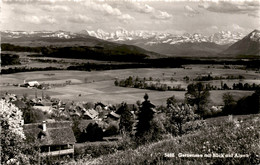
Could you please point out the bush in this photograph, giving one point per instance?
(93, 150)
(112, 129)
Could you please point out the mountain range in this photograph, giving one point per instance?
(221, 43)
(171, 44)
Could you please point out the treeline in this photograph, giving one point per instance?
(246, 86)
(93, 66)
(24, 69)
(236, 86)
(83, 67)
(8, 59)
(124, 53)
(209, 77)
(96, 53)
(47, 60)
(133, 82)
(10, 47)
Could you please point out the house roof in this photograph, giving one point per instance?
(43, 108)
(57, 133)
(115, 115)
(32, 83)
(91, 113)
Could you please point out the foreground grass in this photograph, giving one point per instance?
(237, 137)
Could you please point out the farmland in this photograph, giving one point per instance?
(97, 86)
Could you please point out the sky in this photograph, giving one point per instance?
(169, 16)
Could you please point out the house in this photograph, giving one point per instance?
(30, 84)
(90, 114)
(47, 109)
(54, 138)
(33, 83)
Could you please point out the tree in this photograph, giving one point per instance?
(116, 83)
(145, 116)
(249, 104)
(12, 135)
(25, 97)
(126, 119)
(179, 115)
(76, 130)
(197, 95)
(94, 132)
(171, 100)
(112, 129)
(31, 115)
(229, 103)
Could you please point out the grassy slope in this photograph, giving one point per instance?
(222, 135)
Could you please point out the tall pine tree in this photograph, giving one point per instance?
(145, 116)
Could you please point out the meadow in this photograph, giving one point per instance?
(224, 140)
(98, 86)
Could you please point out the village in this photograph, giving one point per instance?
(57, 125)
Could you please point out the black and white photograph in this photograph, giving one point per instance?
(122, 82)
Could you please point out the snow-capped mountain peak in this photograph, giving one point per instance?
(151, 38)
(255, 36)
(146, 37)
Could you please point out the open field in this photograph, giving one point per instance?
(99, 85)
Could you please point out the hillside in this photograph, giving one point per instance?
(249, 45)
(201, 49)
(236, 138)
(71, 42)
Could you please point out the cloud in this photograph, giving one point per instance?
(39, 19)
(190, 11)
(105, 8)
(126, 18)
(235, 27)
(230, 27)
(162, 15)
(52, 8)
(108, 10)
(142, 8)
(246, 7)
(80, 19)
(21, 11)
(256, 15)
(154, 13)
(23, 2)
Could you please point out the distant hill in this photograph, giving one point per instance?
(199, 49)
(66, 42)
(249, 45)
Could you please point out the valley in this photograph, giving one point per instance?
(98, 86)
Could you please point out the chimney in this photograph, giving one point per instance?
(44, 125)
